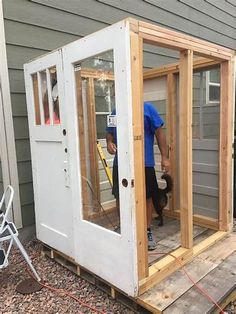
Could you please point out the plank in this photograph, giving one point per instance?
(170, 289)
(138, 133)
(218, 283)
(225, 147)
(185, 147)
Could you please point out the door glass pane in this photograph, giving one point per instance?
(95, 86)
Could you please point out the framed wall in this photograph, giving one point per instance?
(208, 55)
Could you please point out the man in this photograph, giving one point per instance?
(152, 127)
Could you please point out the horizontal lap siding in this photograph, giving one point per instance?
(35, 27)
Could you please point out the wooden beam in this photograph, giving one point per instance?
(91, 110)
(199, 220)
(185, 147)
(138, 143)
(198, 64)
(171, 127)
(225, 149)
(154, 34)
(96, 74)
(82, 150)
(36, 99)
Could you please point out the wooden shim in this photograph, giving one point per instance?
(138, 133)
(185, 147)
(171, 123)
(230, 298)
(225, 149)
(218, 283)
(178, 41)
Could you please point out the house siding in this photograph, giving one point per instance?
(34, 27)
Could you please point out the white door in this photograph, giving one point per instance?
(48, 138)
(97, 80)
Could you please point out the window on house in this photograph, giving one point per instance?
(206, 104)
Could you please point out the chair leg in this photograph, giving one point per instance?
(26, 257)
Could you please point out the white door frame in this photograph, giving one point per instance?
(7, 138)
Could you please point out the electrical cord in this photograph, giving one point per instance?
(63, 292)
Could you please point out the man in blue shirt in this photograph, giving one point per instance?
(152, 127)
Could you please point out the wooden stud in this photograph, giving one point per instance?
(225, 147)
(91, 110)
(82, 150)
(185, 147)
(138, 133)
(36, 100)
(171, 116)
(199, 220)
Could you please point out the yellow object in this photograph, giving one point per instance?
(104, 162)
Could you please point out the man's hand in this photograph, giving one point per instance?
(111, 148)
(165, 164)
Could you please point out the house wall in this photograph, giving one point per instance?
(34, 27)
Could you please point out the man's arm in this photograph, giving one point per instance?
(162, 144)
(111, 146)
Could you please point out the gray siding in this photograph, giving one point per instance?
(34, 27)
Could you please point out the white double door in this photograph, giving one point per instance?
(57, 165)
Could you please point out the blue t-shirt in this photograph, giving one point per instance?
(152, 121)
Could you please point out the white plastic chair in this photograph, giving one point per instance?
(9, 233)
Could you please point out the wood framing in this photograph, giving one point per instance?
(82, 150)
(185, 146)
(138, 133)
(91, 111)
(171, 123)
(213, 55)
(225, 157)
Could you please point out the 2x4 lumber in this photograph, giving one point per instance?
(173, 40)
(93, 139)
(171, 127)
(82, 149)
(185, 147)
(199, 220)
(36, 100)
(198, 64)
(225, 149)
(138, 144)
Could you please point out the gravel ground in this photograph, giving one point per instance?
(55, 275)
(47, 301)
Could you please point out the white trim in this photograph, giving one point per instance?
(7, 137)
